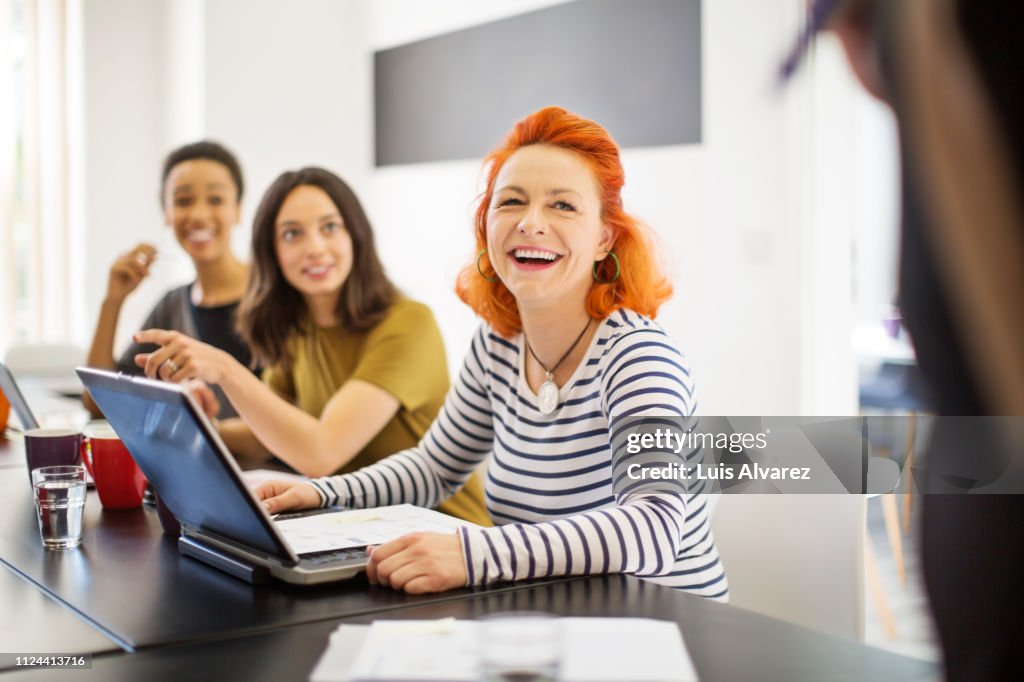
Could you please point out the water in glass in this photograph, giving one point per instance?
(60, 502)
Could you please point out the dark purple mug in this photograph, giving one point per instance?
(51, 448)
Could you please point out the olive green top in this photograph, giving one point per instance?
(404, 355)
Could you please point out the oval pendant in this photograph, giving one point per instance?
(548, 397)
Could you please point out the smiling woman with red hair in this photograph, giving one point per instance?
(566, 283)
(640, 285)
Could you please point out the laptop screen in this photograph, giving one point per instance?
(183, 457)
(17, 401)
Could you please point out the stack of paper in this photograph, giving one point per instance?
(362, 527)
(593, 650)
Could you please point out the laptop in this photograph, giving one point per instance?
(222, 522)
(10, 388)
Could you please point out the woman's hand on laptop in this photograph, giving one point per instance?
(205, 396)
(279, 496)
(419, 563)
(181, 357)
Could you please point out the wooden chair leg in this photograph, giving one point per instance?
(892, 527)
(908, 471)
(875, 587)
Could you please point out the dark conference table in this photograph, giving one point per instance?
(146, 612)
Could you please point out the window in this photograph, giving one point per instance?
(16, 240)
(35, 134)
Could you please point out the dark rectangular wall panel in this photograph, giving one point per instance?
(632, 65)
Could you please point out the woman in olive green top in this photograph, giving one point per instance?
(403, 354)
(356, 372)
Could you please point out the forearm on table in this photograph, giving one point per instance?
(241, 441)
(425, 475)
(278, 427)
(641, 538)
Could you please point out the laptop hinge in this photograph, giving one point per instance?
(197, 549)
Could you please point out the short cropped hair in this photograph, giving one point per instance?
(206, 150)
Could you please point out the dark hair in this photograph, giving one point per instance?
(272, 309)
(209, 151)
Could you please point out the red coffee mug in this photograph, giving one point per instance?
(119, 480)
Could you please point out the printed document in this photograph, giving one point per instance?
(593, 650)
(362, 527)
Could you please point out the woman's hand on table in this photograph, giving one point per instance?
(279, 496)
(419, 563)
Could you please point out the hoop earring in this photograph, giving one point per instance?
(597, 278)
(480, 270)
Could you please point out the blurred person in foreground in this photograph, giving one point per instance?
(950, 70)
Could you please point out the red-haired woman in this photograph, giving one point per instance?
(567, 284)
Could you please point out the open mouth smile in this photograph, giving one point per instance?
(533, 259)
(317, 272)
(200, 236)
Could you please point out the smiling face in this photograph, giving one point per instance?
(313, 248)
(201, 205)
(544, 228)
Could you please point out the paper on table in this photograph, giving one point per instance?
(343, 646)
(620, 649)
(440, 650)
(593, 650)
(362, 527)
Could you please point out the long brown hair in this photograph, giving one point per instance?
(272, 309)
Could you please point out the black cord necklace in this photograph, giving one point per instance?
(547, 396)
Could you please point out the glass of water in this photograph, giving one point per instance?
(520, 646)
(60, 502)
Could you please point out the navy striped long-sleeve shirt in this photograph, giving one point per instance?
(549, 484)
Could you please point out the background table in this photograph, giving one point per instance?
(34, 623)
(146, 612)
(129, 580)
(726, 643)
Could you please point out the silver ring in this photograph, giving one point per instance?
(171, 365)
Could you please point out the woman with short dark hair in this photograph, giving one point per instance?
(201, 193)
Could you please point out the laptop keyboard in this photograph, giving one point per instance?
(335, 555)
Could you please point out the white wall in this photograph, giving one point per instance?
(281, 85)
(125, 100)
(422, 212)
(722, 210)
(758, 244)
(289, 85)
(731, 241)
